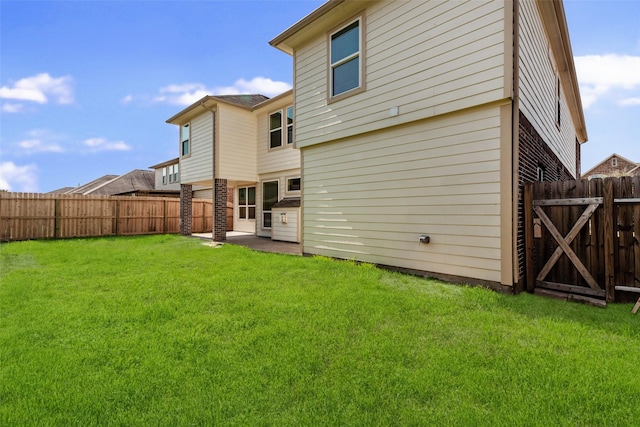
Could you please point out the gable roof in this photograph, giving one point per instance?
(137, 179)
(209, 101)
(608, 159)
(90, 186)
(167, 163)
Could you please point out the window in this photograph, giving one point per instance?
(345, 68)
(171, 174)
(164, 175)
(614, 162)
(175, 173)
(540, 173)
(247, 203)
(275, 130)
(289, 125)
(558, 102)
(185, 134)
(293, 184)
(269, 198)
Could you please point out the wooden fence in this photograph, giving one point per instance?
(582, 238)
(26, 216)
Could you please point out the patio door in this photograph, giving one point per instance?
(269, 198)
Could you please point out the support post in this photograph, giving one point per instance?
(186, 209)
(220, 210)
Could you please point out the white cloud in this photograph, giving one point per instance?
(127, 99)
(31, 146)
(12, 108)
(40, 88)
(629, 102)
(40, 141)
(600, 74)
(103, 144)
(188, 93)
(18, 178)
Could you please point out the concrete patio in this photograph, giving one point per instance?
(252, 241)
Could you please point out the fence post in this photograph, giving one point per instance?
(164, 215)
(528, 237)
(609, 235)
(56, 217)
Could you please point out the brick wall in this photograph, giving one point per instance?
(534, 154)
(186, 209)
(220, 210)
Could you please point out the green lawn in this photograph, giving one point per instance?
(163, 330)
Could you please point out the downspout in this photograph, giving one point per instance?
(515, 137)
(213, 166)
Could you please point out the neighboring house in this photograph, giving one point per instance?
(425, 118)
(614, 165)
(239, 145)
(137, 180)
(167, 175)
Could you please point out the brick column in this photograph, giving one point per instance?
(220, 210)
(186, 209)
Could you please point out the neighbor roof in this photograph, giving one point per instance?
(243, 101)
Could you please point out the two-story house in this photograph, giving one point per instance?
(419, 121)
(241, 144)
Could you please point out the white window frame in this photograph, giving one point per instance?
(289, 125)
(280, 129)
(164, 175)
(170, 174)
(264, 212)
(247, 205)
(183, 152)
(359, 54)
(175, 173)
(288, 190)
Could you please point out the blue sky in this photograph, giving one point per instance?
(86, 86)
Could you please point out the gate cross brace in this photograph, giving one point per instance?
(563, 244)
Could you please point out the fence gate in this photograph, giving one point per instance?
(582, 239)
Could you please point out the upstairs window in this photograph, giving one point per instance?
(289, 125)
(171, 174)
(185, 135)
(558, 102)
(164, 175)
(275, 130)
(175, 173)
(614, 162)
(345, 64)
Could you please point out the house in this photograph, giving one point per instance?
(614, 165)
(419, 122)
(135, 181)
(167, 175)
(239, 148)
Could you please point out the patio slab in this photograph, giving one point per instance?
(252, 241)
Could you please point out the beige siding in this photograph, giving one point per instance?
(371, 197)
(286, 231)
(281, 177)
(448, 55)
(273, 160)
(237, 144)
(537, 84)
(198, 166)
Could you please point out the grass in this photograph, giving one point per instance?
(163, 330)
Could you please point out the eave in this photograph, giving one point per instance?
(555, 24)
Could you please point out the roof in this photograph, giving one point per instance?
(207, 102)
(90, 186)
(289, 202)
(137, 179)
(62, 190)
(167, 163)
